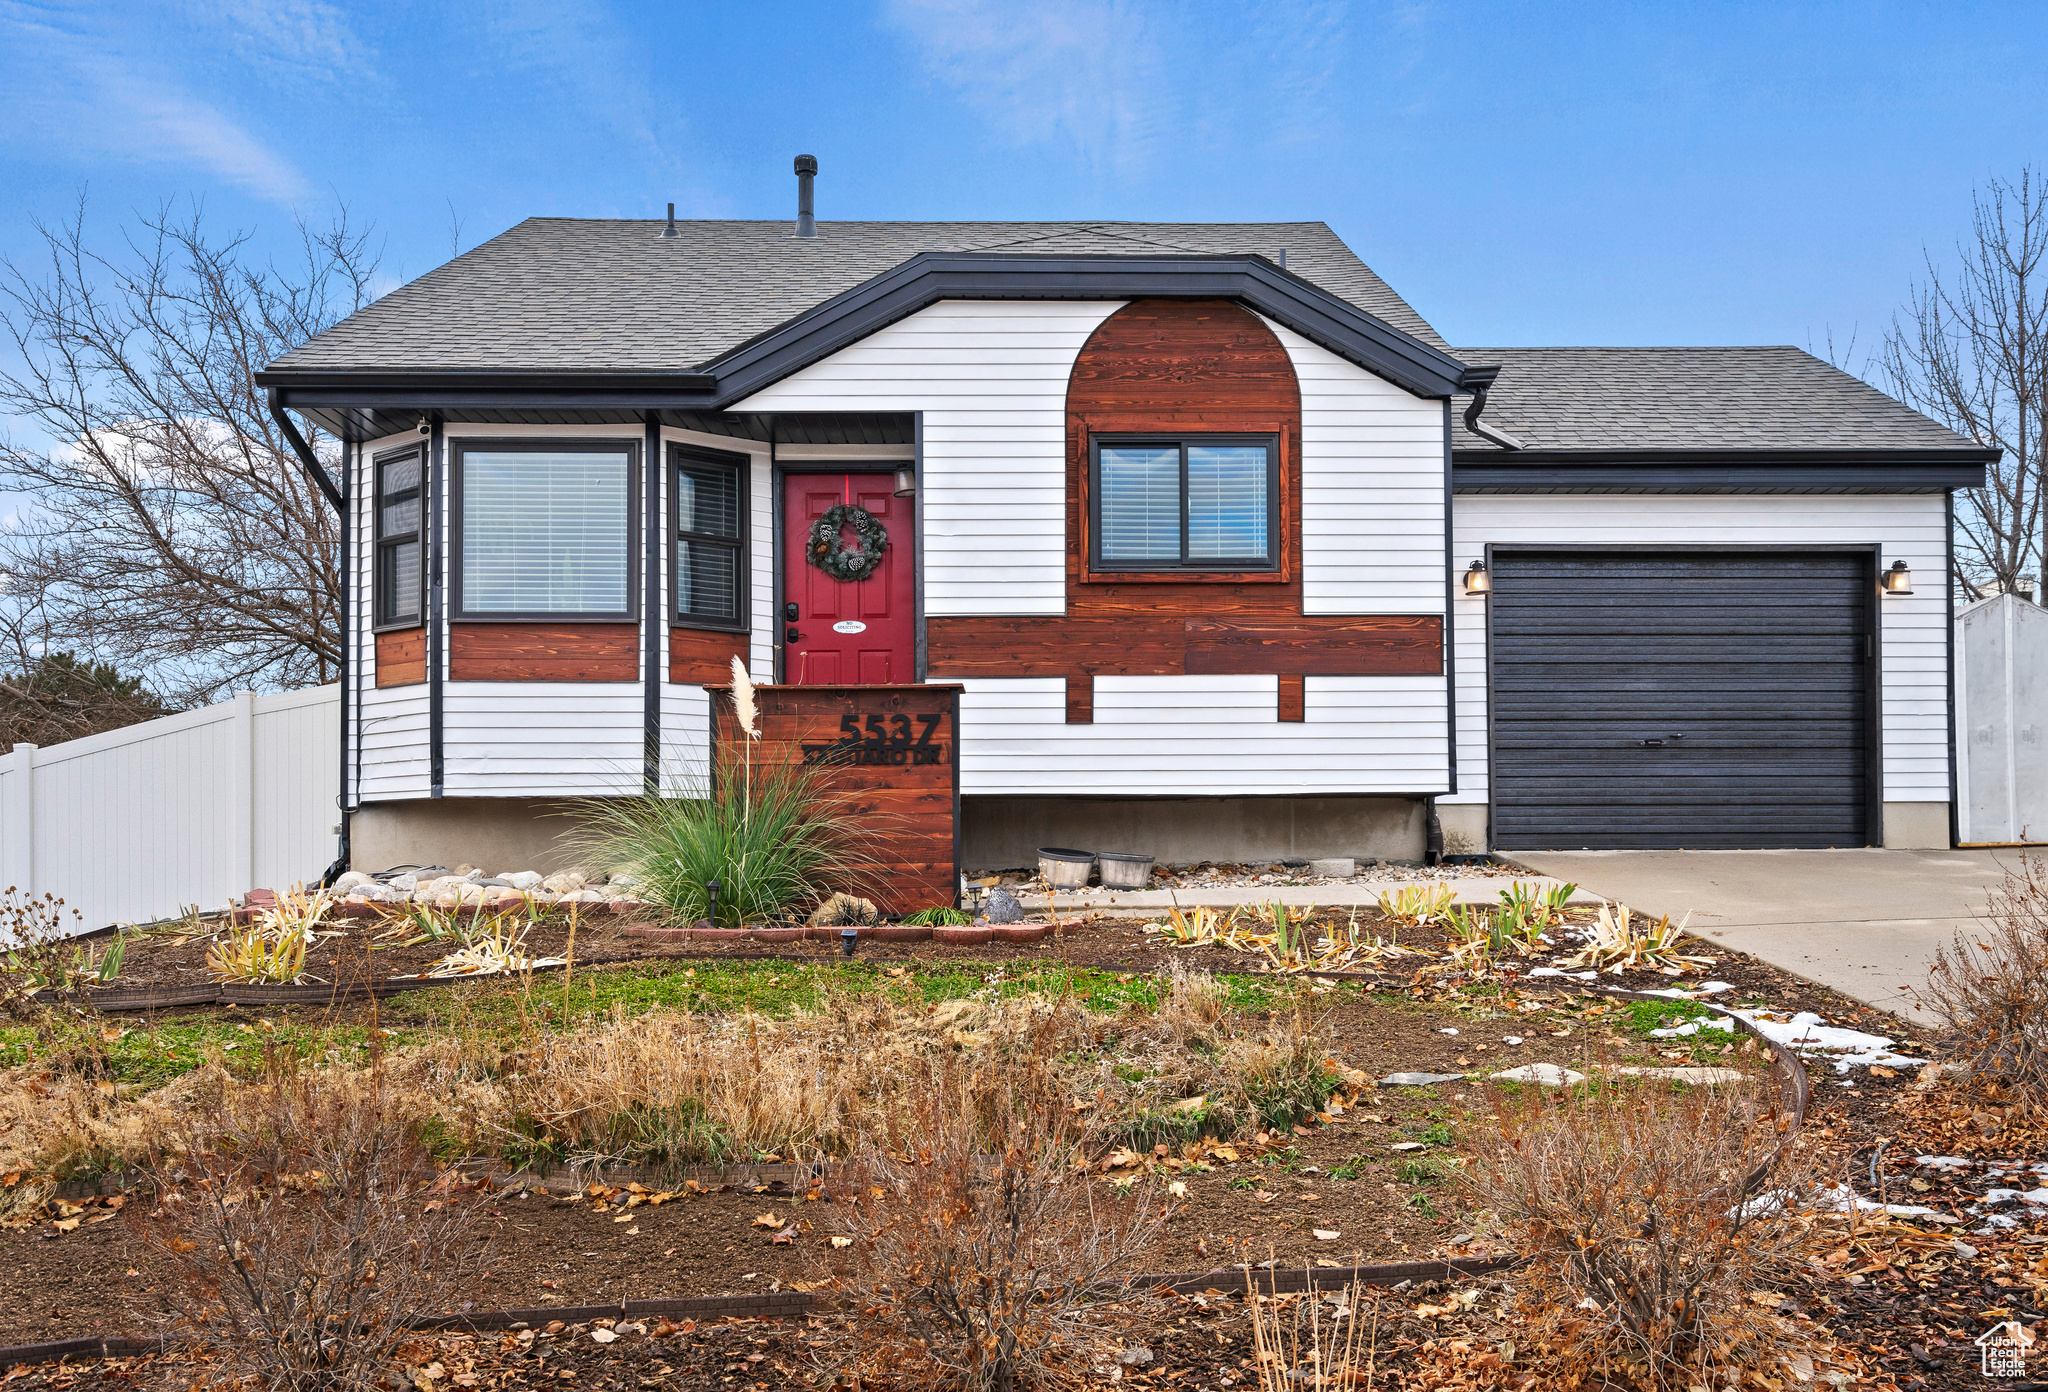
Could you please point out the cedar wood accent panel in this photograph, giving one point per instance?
(568, 652)
(402, 657)
(887, 755)
(1190, 366)
(702, 656)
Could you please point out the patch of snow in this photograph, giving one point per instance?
(1705, 988)
(1809, 1034)
(1560, 971)
(1840, 1198)
(1944, 1162)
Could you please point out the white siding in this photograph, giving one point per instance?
(1913, 634)
(390, 726)
(991, 379)
(1372, 489)
(541, 739)
(1204, 736)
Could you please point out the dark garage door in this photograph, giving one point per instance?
(1661, 699)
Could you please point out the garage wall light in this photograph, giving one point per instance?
(1897, 580)
(1477, 581)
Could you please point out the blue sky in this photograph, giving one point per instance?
(1524, 174)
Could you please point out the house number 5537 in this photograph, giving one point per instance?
(887, 732)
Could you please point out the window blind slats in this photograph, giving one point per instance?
(1140, 506)
(546, 533)
(1226, 502)
(709, 506)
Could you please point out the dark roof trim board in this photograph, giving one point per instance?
(895, 294)
(1720, 471)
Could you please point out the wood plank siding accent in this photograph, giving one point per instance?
(704, 656)
(402, 657)
(1293, 698)
(890, 752)
(1177, 367)
(544, 652)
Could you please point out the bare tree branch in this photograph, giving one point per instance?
(1970, 351)
(174, 532)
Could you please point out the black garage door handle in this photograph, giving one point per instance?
(1657, 743)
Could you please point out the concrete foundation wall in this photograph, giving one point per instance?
(1916, 826)
(1004, 832)
(495, 834)
(1464, 825)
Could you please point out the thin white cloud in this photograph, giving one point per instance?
(79, 91)
(1093, 72)
(287, 40)
(1122, 81)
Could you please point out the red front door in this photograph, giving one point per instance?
(847, 633)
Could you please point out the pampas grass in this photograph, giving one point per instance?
(772, 837)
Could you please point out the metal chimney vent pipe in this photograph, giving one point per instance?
(670, 231)
(806, 170)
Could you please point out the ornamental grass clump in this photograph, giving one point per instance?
(774, 836)
(1645, 1237)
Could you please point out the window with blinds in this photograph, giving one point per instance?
(1199, 503)
(545, 531)
(396, 601)
(709, 495)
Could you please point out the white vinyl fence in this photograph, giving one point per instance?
(136, 824)
(2001, 724)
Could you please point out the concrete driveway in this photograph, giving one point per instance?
(1864, 922)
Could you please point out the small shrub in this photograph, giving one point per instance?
(1989, 988)
(976, 1237)
(301, 1238)
(1643, 1242)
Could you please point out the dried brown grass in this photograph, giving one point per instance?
(974, 1239)
(1643, 1241)
(1989, 987)
(665, 1088)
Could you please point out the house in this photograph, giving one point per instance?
(1231, 555)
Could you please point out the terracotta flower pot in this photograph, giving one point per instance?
(962, 936)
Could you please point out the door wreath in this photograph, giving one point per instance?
(847, 563)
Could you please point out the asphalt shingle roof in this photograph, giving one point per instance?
(577, 294)
(1777, 398)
